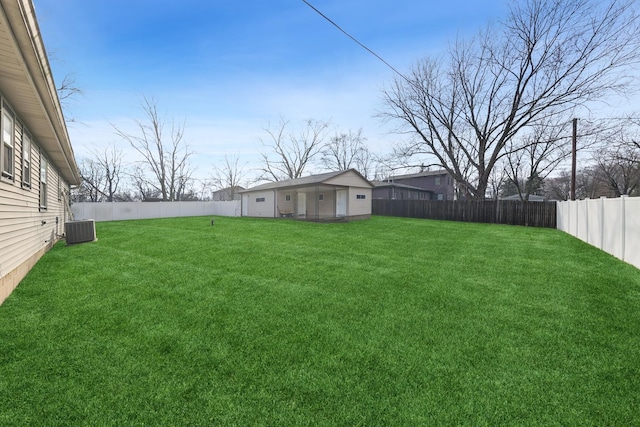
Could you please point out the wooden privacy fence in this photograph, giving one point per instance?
(512, 212)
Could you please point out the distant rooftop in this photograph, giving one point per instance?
(419, 174)
(380, 184)
(305, 180)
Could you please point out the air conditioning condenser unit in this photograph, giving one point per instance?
(80, 231)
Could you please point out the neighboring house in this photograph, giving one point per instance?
(396, 191)
(334, 195)
(227, 194)
(440, 183)
(36, 157)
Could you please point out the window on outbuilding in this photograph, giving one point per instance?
(321, 196)
(287, 197)
(362, 196)
(259, 199)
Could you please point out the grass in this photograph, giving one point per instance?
(270, 322)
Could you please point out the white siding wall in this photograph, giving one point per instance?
(347, 179)
(326, 207)
(261, 209)
(25, 229)
(359, 206)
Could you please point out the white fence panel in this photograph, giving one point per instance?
(594, 232)
(582, 223)
(613, 228)
(612, 225)
(573, 219)
(144, 210)
(562, 217)
(632, 235)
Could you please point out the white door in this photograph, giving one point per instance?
(341, 203)
(302, 204)
(245, 205)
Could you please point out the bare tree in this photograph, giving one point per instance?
(228, 176)
(618, 168)
(587, 185)
(343, 150)
(165, 170)
(90, 189)
(546, 58)
(530, 159)
(67, 91)
(101, 175)
(110, 162)
(290, 151)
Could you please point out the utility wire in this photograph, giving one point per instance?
(356, 40)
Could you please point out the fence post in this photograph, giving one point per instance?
(602, 202)
(623, 199)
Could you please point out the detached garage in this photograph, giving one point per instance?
(343, 195)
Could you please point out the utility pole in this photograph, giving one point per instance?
(574, 144)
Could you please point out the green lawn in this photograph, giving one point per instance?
(275, 322)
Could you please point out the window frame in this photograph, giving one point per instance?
(26, 160)
(361, 196)
(260, 199)
(44, 187)
(8, 147)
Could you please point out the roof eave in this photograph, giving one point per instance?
(27, 83)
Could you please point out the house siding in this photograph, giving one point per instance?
(263, 209)
(439, 183)
(327, 206)
(28, 95)
(347, 179)
(26, 231)
(359, 207)
(285, 207)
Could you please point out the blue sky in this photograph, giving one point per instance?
(229, 68)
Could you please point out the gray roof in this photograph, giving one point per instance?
(303, 181)
(419, 174)
(380, 184)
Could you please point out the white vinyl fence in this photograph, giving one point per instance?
(142, 210)
(612, 225)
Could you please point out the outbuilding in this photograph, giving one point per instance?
(342, 195)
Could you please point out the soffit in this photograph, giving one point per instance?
(26, 83)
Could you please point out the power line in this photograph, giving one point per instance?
(355, 40)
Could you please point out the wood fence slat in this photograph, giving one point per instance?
(512, 212)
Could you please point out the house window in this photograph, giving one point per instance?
(287, 197)
(7, 144)
(440, 196)
(26, 161)
(321, 196)
(437, 179)
(43, 182)
(361, 196)
(259, 199)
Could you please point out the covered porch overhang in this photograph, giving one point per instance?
(312, 202)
